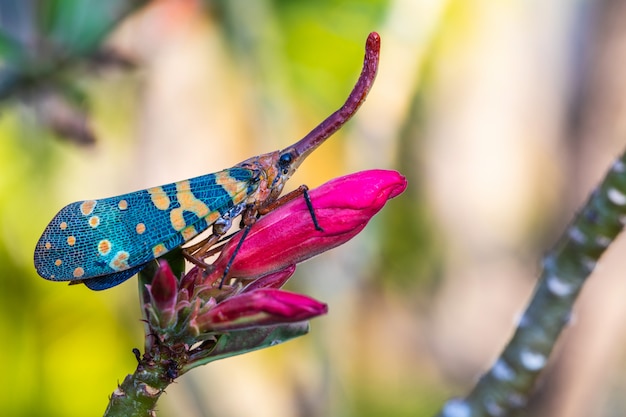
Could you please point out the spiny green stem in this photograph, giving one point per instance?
(138, 394)
(507, 385)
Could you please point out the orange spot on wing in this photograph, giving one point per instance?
(189, 232)
(122, 205)
(120, 261)
(79, 272)
(159, 198)
(104, 247)
(94, 221)
(177, 220)
(140, 228)
(212, 217)
(159, 250)
(188, 201)
(58, 262)
(233, 187)
(71, 240)
(63, 225)
(48, 245)
(87, 207)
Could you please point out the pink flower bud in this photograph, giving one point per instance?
(287, 235)
(274, 280)
(164, 294)
(262, 307)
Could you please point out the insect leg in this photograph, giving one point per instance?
(202, 248)
(309, 205)
(302, 190)
(198, 252)
(246, 230)
(195, 260)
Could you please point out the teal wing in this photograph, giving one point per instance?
(113, 238)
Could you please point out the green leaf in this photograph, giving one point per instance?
(238, 342)
(80, 26)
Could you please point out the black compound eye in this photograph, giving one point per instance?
(285, 161)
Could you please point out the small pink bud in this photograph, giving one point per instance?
(262, 307)
(164, 294)
(286, 236)
(273, 280)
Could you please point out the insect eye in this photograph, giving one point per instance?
(285, 159)
(284, 162)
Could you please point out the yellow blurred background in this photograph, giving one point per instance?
(503, 115)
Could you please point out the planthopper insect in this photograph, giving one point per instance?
(102, 243)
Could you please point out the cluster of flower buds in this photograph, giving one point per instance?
(197, 307)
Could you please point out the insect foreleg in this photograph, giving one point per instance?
(246, 230)
(198, 252)
(302, 190)
(247, 220)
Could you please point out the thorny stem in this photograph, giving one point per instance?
(507, 385)
(138, 394)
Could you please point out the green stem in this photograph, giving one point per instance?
(138, 394)
(507, 385)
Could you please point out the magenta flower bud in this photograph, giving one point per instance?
(164, 295)
(274, 280)
(287, 235)
(262, 307)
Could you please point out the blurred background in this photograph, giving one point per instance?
(502, 115)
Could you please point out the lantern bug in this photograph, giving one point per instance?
(101, 243)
